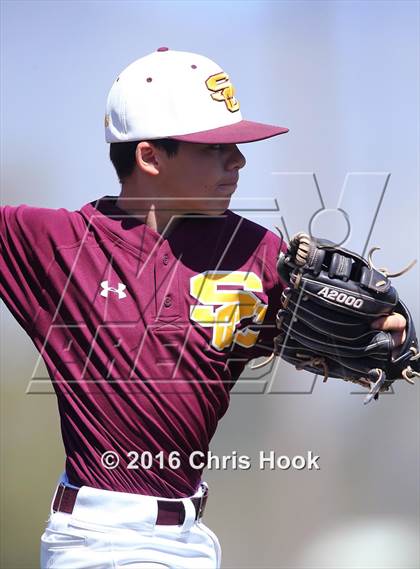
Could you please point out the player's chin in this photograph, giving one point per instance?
(217, 206)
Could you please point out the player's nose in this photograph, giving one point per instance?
(235, 160)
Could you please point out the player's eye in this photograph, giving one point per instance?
(215, 146)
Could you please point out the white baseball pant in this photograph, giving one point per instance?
(117, 530)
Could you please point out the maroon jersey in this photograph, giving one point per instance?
(143, 334)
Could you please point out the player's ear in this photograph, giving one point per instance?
(148, 158)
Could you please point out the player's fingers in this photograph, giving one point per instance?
(393, 322)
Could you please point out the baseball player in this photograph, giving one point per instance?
(146, 307)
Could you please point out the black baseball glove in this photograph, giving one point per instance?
(332, 298)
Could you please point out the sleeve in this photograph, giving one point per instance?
(28, 238)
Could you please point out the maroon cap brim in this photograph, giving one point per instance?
(240, 132)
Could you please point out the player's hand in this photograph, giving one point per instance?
(395, 324)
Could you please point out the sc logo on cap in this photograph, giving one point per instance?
(223, 90)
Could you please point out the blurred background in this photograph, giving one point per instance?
(344, 77)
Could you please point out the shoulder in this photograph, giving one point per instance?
(38, 224)
(254, 232)
(253, 241)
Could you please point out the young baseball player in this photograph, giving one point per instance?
(146, 307)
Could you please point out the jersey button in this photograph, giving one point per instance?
(167, 302)
(165, 259)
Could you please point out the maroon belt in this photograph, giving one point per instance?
(170, 513)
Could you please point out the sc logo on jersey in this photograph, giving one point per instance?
(223, 90)
(223, 308)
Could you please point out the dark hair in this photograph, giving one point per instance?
(123, 154)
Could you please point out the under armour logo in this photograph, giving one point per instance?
(119, 290)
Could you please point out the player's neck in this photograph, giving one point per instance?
(157, 215)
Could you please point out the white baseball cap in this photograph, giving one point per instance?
(179, 95)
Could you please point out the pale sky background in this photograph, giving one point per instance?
(344, 77)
